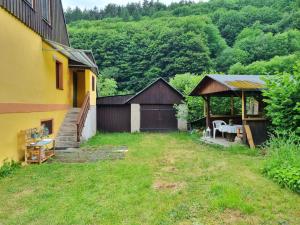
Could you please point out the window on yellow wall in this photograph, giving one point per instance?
(47, 126)
(59, 75)
(93, 83)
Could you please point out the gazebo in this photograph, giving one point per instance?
(248, 88)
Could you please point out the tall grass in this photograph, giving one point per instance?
(8, 168)
(283, 160)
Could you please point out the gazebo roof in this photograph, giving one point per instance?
(224, 84)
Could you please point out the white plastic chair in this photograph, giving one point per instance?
(216, 126)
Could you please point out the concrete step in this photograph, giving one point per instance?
(66, 138)
(67, 144)
(67, 132)
(71, 118)
(68, 127)
(67, 135)
(69, 121)
(74, 110)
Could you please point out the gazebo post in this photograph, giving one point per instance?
(244, 116)
(208, 120)
(243, 106)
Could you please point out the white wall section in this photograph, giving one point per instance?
(90, 126)
(135, 118)
(182, 122)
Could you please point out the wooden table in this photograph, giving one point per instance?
(40, 151)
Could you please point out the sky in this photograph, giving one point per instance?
(102, 3)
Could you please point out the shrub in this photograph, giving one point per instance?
(282, 97)
(283, 160)
(286, 177)
(8, 168)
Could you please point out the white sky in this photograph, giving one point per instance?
(102, 3)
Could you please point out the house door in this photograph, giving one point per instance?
(75, 89)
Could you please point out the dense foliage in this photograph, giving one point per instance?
(283, 160)
(137, 43)
(185, 83)
(135, 53)
(283, 101)
(106, 86)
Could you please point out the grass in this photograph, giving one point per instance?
(165, 179)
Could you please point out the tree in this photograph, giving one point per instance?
(106, 86)
(282, 97)
(277, 65)
(229, 57)
(186, 83)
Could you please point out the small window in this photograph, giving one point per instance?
(47, 126)
(59, 75)
(46, 10)
(93, 83)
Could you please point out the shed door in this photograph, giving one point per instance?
(113, 118)
(158, 118)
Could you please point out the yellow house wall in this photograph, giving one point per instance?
(12, 143)
(28, 66)
(88, 86)
(28, 77)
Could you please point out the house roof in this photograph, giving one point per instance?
(78, 57)
(33, 18)
(232, 83)
(126, 99)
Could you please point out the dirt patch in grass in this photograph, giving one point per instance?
(23, 193)
(230, 216)
(173, 186)
(169, 169)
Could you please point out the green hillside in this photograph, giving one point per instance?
(136, 43)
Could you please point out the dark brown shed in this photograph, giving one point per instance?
(151, 109)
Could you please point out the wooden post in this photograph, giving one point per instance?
(243, 106)
(232, 105)
(244, 116)
(208, 112)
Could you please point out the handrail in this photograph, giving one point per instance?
(83, 115)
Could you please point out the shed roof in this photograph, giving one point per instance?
(78, 57)
(232, 83)
(114, 100)
(153, 83)
(127, 99)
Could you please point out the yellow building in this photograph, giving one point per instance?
(42, 79)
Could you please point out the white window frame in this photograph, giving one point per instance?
(30, 3)
(46, 17)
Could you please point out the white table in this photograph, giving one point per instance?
(231, 129)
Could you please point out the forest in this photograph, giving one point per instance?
(139, 42)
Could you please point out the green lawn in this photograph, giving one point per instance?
(165, 179)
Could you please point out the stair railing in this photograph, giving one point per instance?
(83, 115)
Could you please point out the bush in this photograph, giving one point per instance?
(8, 168)
(286, 177)
(283, 160)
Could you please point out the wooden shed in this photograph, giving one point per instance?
(151, 109)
